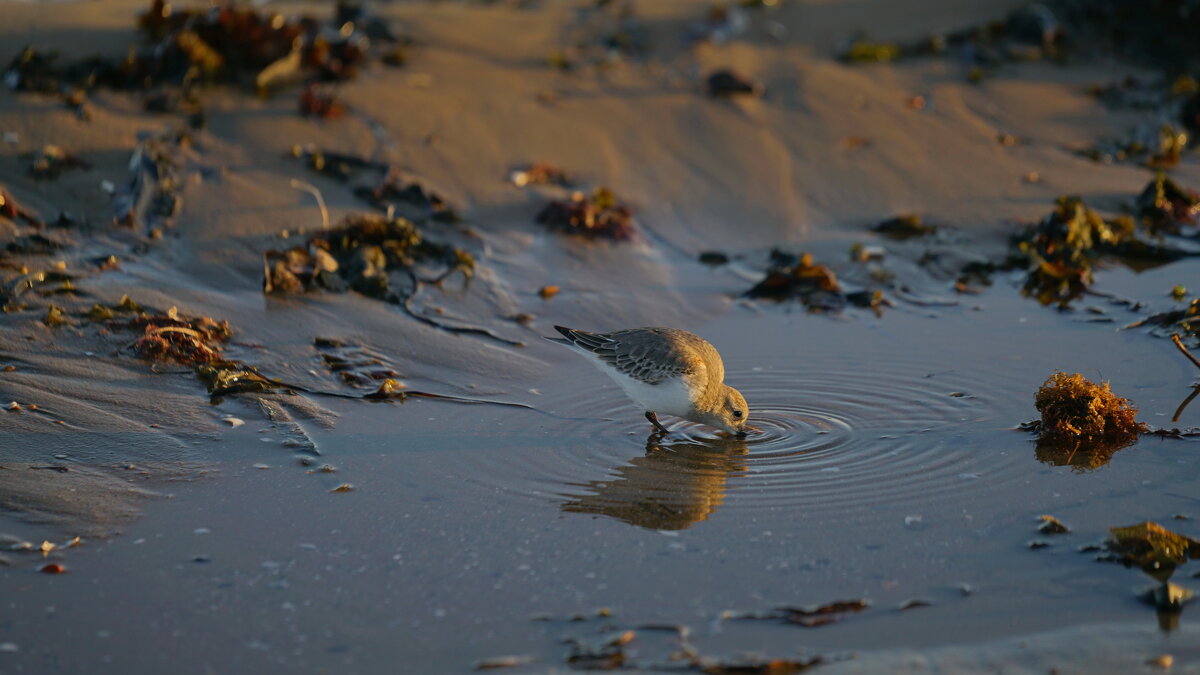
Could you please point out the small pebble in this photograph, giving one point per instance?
(1164, 661)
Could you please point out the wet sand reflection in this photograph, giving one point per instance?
(675, 485)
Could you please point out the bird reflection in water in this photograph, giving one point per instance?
(672, 487)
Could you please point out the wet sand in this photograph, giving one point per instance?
(889, 467)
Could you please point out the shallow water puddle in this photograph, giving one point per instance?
(887, 469)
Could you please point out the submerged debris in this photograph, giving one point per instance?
(1074, 408)
(1152, 546)
(598, 216)
(607, 653)
(809, 616)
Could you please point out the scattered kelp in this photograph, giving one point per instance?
(1156, 146)
(610, 645)
(599, 216)
(1166, 207)
(1061, 252)
(1174, 323)
(182, 48)
(1074, 408)
(386, 258)
(1028, 34)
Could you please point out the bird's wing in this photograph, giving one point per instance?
(642, 354)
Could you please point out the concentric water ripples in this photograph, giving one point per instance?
(828, 441)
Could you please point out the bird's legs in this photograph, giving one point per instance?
(657, 425)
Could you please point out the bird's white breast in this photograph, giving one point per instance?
(670, 397)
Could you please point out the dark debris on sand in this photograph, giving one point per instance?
(798, 277)
(359, 254)
(598, 216)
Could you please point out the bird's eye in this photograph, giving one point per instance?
(737, 413)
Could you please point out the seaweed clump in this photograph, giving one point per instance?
(792, 277)
(1166, 207)
(799, 277)
(1075, 409)
(599, 216)
(1152, 547)
(171, 339)
(1062, 250)
(359, 254)
(198, 342)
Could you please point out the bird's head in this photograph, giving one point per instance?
(729, 412)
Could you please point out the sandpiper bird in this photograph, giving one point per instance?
(665, 370)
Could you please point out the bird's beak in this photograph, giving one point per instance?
(748, 429)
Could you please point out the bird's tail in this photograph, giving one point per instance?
(567, 338)
(592, 342)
